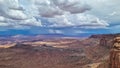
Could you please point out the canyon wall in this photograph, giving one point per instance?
(115, 54)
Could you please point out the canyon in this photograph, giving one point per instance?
(96, 51)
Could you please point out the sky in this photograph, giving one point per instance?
(67, 17)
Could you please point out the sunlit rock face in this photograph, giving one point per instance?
(106, 40)
(115, 54)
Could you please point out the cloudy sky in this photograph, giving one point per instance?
(68, 17)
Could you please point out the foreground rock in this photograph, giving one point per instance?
(115, 54)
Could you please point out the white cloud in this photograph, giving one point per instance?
(31, 22)
(19, 23)
(59, 21)
(2, 18)
(51, 8)
(4, 24)
(72, 6)
(59, 13)
(55, 31)
(104, 9)
(12, 15)
(113, 13)
(15, 14)
(78, 20)
(47, 11)
(11, 9)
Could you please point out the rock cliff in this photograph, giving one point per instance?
(115, 54)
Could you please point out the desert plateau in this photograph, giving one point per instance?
(57, 52)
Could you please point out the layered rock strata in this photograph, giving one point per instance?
(115, 54)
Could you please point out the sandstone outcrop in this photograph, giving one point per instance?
(115, 54)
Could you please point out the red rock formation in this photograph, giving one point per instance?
(115, 54)
(103, 41)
